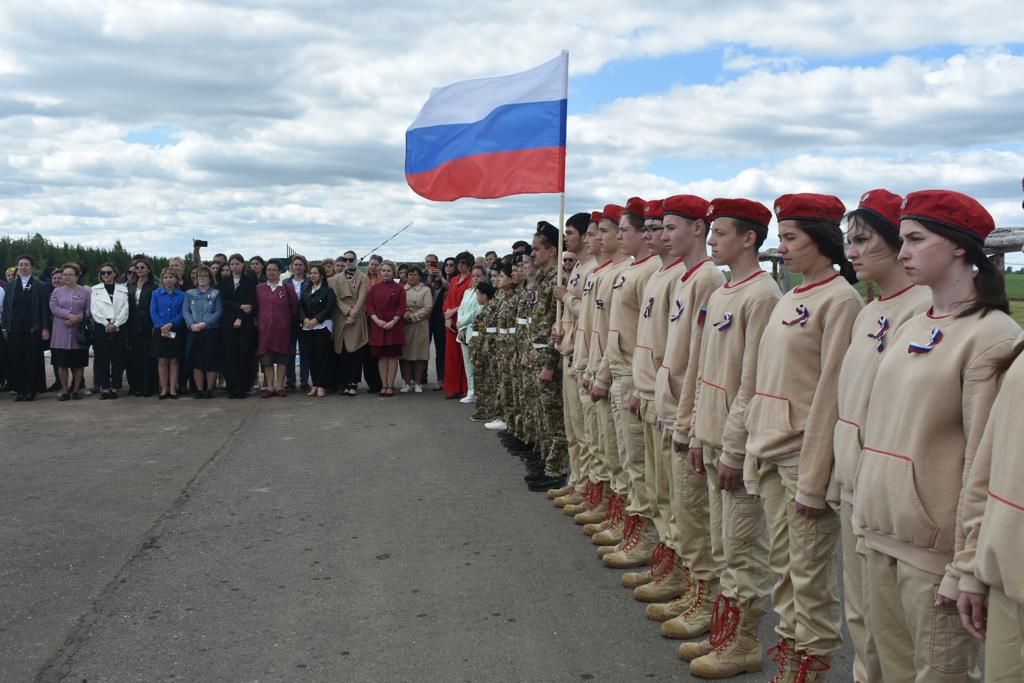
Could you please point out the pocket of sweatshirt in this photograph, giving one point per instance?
(887, 496)
(768, 420)
(712, 411)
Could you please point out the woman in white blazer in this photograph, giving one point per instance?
(109, 310)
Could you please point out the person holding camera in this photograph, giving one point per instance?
(109, 309)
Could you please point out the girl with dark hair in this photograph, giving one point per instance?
(142, 375)
(455, 383)
(790, 422)
(257, 265)
(929, 404)
(203, 310)
(109, 308)
(315, 310)
(873, 233)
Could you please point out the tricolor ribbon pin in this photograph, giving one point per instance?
(648, 308)
(932, 343)
(802, 316)
(883, 327)
(723, 324)
(679, 311)
(702, 315)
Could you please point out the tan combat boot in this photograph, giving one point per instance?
(611, 517)
(573, 509)
(694, 622)
(734, 642)
(634, 579)
(671, 582)
(559, 492)
(571, 498)
(663, 611)
(784, 654)
(812, 668)
(599, 508)
(636, 549)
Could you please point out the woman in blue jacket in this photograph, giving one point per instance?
(165, 310)
(202, 311)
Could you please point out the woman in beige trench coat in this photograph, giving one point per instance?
(350, 328)
(418, 304)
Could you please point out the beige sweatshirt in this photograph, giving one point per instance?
(792, 415)
(993, 501)
(737, 315)
(868, 345)
(585, 318)
(682, 348)
(623, 320)
(652, 328)
(571, 304)
(924, 422)
(605, 290)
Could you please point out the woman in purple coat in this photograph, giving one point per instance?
(70, 304)
(385, 305)
(277, 309)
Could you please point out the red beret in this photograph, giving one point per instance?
(743, 209)
(653, 211)
(612, 212)
(635, 206)
(809, 207)
(595, 216)
(687, 206)
(950, 209)
(882, 204)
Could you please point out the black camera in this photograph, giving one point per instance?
(200, 243)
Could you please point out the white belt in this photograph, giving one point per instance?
(512, 330)
(529, 321)
(502, 330)
(523, 321)
(540, 346)
(490, 330)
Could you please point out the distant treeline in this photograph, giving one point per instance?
(48, 256)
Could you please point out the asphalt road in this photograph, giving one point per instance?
(340, 539)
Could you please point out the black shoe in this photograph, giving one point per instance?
(479, 418)
(55, 386)
(547, 483)
(304, 386)
(198, 394)
(104, 396)
(19, 398)
(31, 396)
(62, 396)
(77, 395)
(113, 393)
(209, 393)
(534, 475)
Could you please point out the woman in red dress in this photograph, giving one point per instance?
(385, 304)
(455, 384)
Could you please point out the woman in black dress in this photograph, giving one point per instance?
(238, 327)
(315, 309)
(141, 364)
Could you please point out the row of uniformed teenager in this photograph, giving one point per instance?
(725, 438)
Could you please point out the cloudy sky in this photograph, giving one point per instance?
(254, 123)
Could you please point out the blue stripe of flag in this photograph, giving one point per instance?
(509, 128)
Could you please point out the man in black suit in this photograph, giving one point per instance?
(26, 325)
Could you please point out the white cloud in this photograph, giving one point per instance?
(290, 118)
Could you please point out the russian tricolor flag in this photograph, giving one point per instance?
(491, 137)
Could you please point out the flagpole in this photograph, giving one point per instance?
(561, 212)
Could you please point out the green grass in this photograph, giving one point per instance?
(1017, 311)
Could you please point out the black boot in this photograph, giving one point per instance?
(547, 482)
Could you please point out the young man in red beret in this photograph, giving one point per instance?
(737, 314)
(664, 579)
(688, 537)
(633, 537)
(610, 274)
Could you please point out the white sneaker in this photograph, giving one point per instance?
(417, 388)
(405, 389)
(468, 398)
(496, 425)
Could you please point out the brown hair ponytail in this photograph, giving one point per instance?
(829, 238)
(989, 284)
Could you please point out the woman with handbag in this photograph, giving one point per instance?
(69, 345)
(109, 312)
(165, 312)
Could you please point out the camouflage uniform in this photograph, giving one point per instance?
(546, 397)
(478, 355)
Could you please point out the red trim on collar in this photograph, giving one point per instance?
(899, 293)
(805, 288)
(937, 317)
(730, 285)
(608, 263)
(643, 260)
(691, 271)
(671, 265)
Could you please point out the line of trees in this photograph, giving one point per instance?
(49, 255)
